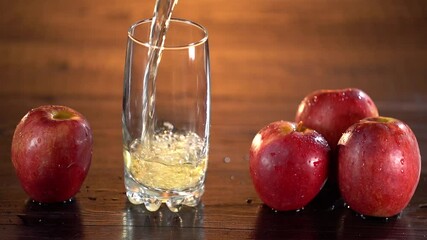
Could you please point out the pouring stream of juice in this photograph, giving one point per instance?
(159, 26)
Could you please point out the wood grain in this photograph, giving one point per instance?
(265, 57)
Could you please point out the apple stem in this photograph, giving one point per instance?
(300, 127)
(62, 115)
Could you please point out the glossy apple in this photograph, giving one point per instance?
(52, 152)
(288, 165)
(379, 166)
(331, 112)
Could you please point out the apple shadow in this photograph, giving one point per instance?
(339, 223)
(271, 224)
(57, 220)
(352, 225)
(139, 223)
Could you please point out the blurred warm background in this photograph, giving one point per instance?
(72, 53)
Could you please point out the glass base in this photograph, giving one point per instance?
(153, 198)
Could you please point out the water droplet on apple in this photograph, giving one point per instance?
(299, 210)
(314, 99)
(402, 171)
(313, 162)
(402, 161)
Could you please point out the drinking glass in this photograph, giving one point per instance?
(166, 115)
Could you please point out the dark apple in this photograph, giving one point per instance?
(331, 112)
(52, 152)
(379, 166)
(288, 165)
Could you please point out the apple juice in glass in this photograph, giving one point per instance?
(166, 115)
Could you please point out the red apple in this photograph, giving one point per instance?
(288, 165)
(51, 152)
(379, 166)
(331, 112)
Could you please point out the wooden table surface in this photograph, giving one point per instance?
(265, 57)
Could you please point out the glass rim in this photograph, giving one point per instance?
(179, 20)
